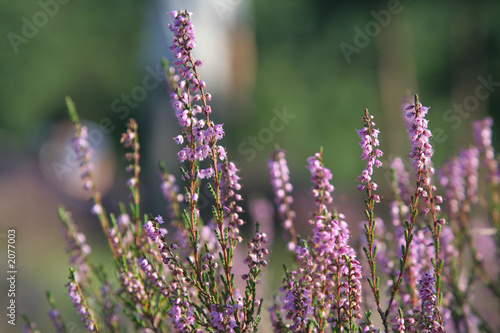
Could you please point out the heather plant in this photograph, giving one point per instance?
(183, 272)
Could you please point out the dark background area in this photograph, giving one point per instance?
(321, 62)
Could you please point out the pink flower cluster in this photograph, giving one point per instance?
(369, 140)
(200, 135)
(327, 282)
(459, 177)
(84, 155)
(80, 305)
(421, 149)
(427, 295)
(482, 137)
(282, 188)
(320, 177)
(230, 198)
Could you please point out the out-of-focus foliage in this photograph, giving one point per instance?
(86, 49)
(435, 49)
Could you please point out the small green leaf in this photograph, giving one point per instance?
(73, 115)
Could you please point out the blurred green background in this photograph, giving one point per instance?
(320, 62)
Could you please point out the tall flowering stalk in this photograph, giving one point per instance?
(76, 246)
(195, 292)
(28, 326)
(431, 317)
(282, 188)
(421, 154)
(483, 138)
(84, 154)
(80, 304)
(55, 316)
(130, 139)
(200, 136)
(230, 187)
(369, 142)
(460, 176)
(325, 289)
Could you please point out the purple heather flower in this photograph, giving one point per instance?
(482, 138)
(133, 286)
(459, 178)
(77, 248)
(369, 140)
(199, 135)
(450, 177)
(298, 307)
(427, 295)
(421, 149)
(327, 281)
(110, 308)
(421, 153)
(222, 318)
(222, 152)
(280, 181)
(179, 139)
(350, 291)
(84, 155)
(256, 254)
(131, 182)
(29, 328)
(154, 233)
(80, 305)
(470, 164)
(123, 220)
(229, 186)
(402, 178)
(169, 189)
(96, 209)
(153, 275)
(262, 210)
(420, 254)
(483, 133)
(127, 138)
(368, 328)
(55, 318)
(320, 177)
(206, 173)
(398, 324)
(181, 312)
(184, 41)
